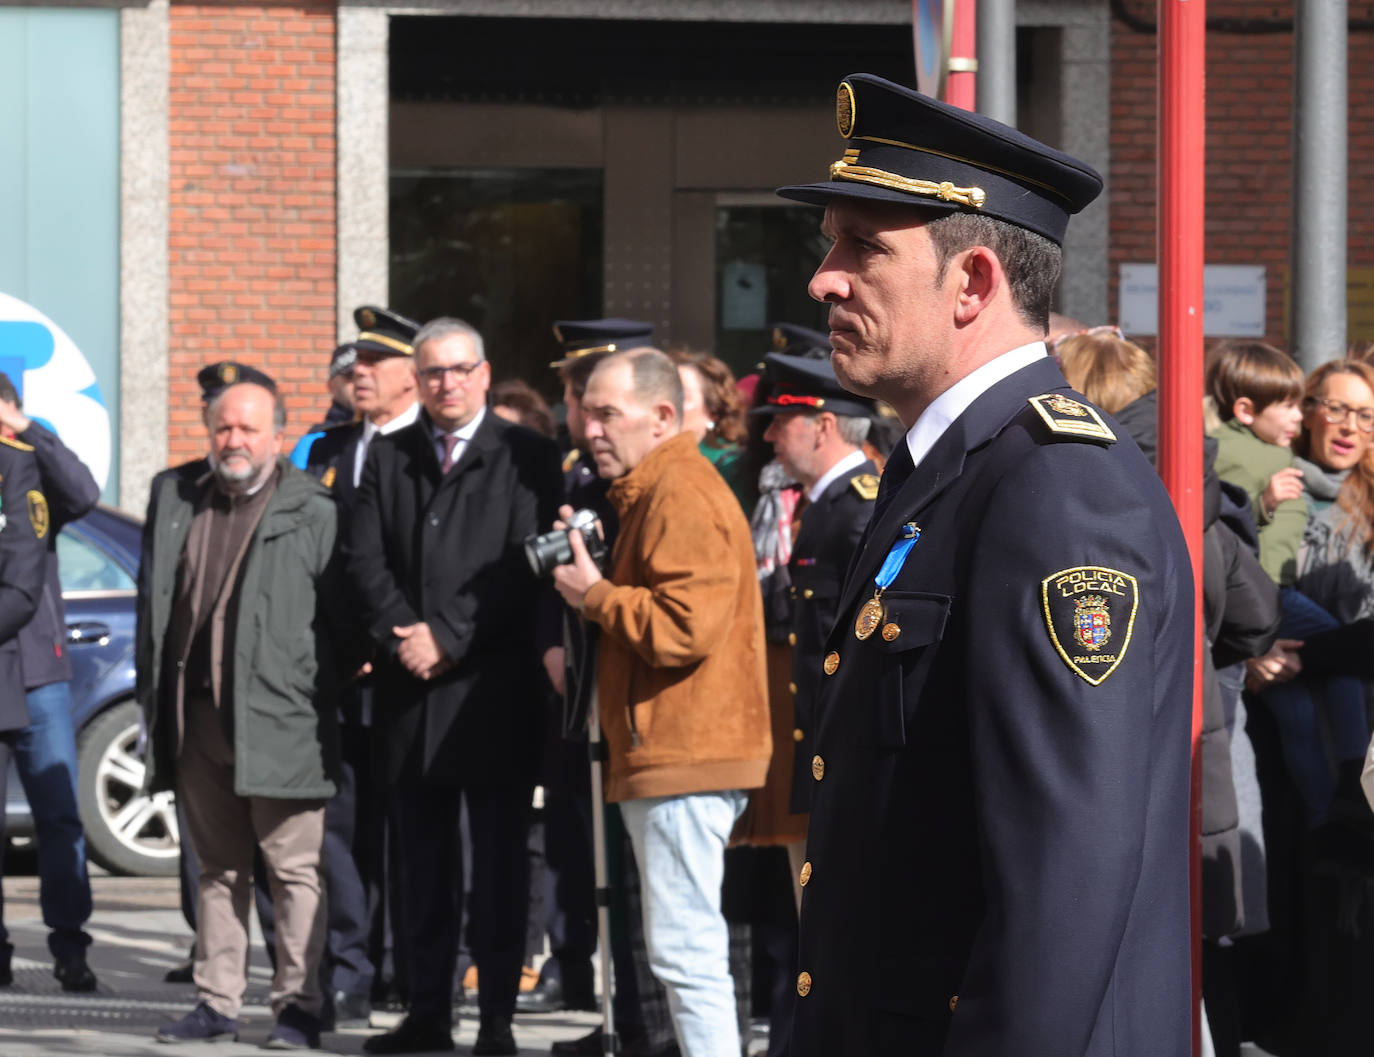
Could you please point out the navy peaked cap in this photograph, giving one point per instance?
(342, 359)
(798, 340)
(907, 147)
(382, 332)
(214, 378)
(804, 383)
(581, 337)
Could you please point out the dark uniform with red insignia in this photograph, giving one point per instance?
(998, 853)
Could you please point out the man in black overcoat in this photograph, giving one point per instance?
(436, 550)
(997, 861)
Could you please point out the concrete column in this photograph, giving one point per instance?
(362, 97)
(145, 69)
(1320, 115)
(1085, 85)
(997, 60)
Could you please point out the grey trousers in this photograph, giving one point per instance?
(224, 828)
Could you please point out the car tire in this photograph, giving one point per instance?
(127, 831)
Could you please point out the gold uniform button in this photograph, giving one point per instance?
(792, 689)
(791, 638)
(808, 593)
(817, 768)
(890, 632)
(797, 734)
(953, 1001)
(805, 873)
(832, 662)
(804, 984)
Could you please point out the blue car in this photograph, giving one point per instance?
(126, 831)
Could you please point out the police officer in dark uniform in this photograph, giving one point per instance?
(45, 751)
(24, 520)
(817, 431)
(355, 858)
(997, 860)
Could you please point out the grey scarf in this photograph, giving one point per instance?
(1320, 484)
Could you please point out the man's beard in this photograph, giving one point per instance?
(238, 477)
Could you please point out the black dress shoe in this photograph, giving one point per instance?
(182, 974)
(73, 973)
(495, 1039)
(547, 997)
(413, 1035)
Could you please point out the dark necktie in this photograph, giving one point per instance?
(899, 467)
(450, 442)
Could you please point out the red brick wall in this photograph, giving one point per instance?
(252, 239)
(1249, 146)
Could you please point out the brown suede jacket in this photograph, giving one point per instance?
(681, 677)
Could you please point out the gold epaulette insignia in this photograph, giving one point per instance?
(1067, 417)
(570, 460)
(19, 444)
(866, 484)
(39, 517)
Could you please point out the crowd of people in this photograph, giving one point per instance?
(889, 644)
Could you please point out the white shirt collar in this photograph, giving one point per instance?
(465, 433)
(853, 459)
(954, 401)
(402, 420)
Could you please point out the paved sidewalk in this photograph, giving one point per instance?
(139, 934)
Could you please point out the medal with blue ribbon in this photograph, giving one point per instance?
(871, 612)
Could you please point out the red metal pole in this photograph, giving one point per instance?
(1182, 115)
(961, 84)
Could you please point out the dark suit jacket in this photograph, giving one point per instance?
(22, 563)
(998, 847)
(830, 531)
(448, 549)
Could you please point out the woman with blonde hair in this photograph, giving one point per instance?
(1106, 368)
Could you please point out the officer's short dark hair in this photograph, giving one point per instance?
(9, 392)
(1031, 262)
(576, 372)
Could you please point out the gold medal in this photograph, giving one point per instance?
(870, 616)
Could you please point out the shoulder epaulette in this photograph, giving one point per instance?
(19, 444)
(570, 460)
(1070, 418)
(866, 484)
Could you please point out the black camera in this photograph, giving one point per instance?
(545, 553)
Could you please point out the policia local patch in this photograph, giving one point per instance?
(1090, 613)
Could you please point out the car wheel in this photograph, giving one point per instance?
(127, 831)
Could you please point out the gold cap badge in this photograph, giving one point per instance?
(845, 109)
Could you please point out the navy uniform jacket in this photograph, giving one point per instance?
(22, 561)
(997, 862)
(71, 492)
(330, 461)
(824, 547)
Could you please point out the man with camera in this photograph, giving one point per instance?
(436, 549)
(680, 676)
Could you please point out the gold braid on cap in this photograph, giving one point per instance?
(390, 343)
(845, 169)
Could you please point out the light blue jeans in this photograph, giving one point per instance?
(679, 845)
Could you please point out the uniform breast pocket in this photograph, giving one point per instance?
(908, 638)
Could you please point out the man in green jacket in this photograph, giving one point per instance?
(234, 683)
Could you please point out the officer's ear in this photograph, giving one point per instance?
(981, 281)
